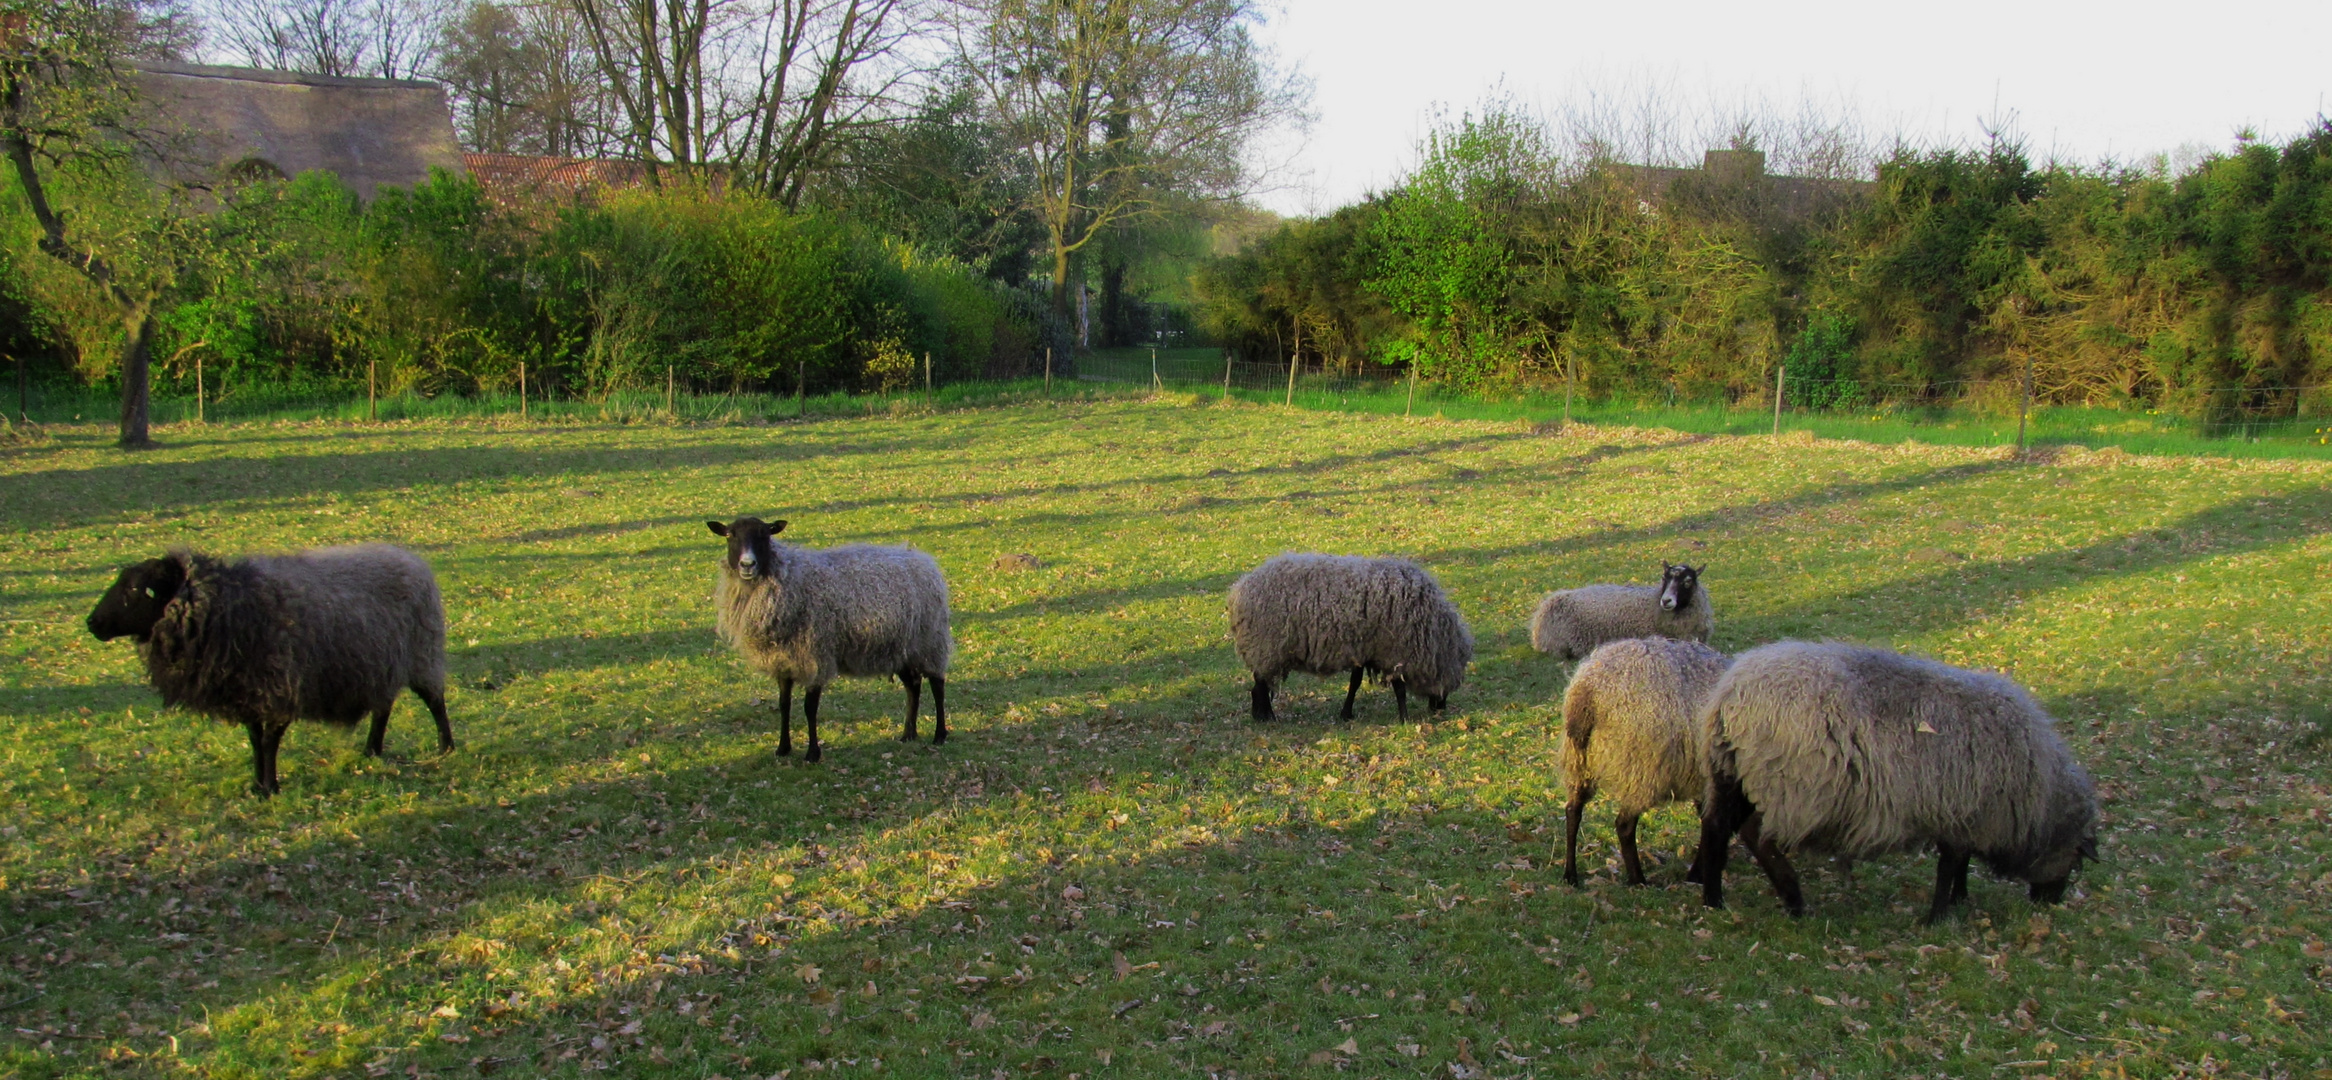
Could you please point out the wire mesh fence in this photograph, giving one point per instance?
(1967, 412)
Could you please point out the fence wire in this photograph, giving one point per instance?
(1966, 411)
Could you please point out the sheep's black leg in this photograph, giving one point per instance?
(434, 697)
(938, 709)
(1775, 864)
(1626, 828)
(1259, 706)
(785, 717)
(810, 716)
(1350, 693)
(1436, 704)
(271, 739)
(1401, 697)
(914, 681)
(1726, 811)
(1951, 876)
(374, 742)
(258, 757)
(1572, 813)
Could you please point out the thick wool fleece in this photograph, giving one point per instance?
(332, 634)
(1863, 752)
(1630, 722)
(1329, 614)
(854, 610)
(1570, 623)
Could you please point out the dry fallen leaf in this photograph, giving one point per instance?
(983, 1020)
(1820, 1000)
(1072, 894)
(1118, 961)
(809, 973)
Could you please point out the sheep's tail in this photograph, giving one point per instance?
(1579, 714)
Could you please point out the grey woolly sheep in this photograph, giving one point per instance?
(807, 616)
(1570, 623)
(1329, 614)
(1630, 734)
(331, 635)
(1861, 751)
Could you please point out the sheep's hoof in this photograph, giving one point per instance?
(785, 749)
(814, 755)
(907, 737)
(939, 738)
(1573, 880)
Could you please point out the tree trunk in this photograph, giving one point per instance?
(1063, 332)
(137, 375)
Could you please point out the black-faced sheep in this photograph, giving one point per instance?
(1570, 623)
(1863, 752)
(1630, 733)
(1331, 614)
(331, 635)
(807, 616)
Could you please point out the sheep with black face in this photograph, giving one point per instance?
(330, 635)
(1570, 623)
(808, 615)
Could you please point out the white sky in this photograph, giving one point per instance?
(2083, 80)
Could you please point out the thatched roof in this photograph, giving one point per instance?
(1737, 179)
(368, 131)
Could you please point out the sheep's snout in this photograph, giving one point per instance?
(1668, 601)
(747, 565)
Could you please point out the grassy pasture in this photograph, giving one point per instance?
(1109, 871)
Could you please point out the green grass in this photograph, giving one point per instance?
(1109, 871)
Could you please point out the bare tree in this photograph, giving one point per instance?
(389, 39)
(804, 98)
(524, 80)
(763, 89)
(1120, 106)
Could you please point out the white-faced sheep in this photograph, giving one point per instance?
(1861, 751)
(1330, 614)
(807, 616)
(1570, 623)
(332, 635)
(1630, 734)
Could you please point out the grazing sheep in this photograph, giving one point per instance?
(1863, 752)
(1329, 614)
(804, 615)
(331, 634)
(1629, 734)
(1570, 623)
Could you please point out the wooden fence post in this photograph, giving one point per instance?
(801, 388)
(522, 389)
(668, 392)
(1778, 371)
(372, 395)
(198, 390)
(2024, 405)
(1411, 406)
(1048, 369)
(1226, 374)
(1292, 357)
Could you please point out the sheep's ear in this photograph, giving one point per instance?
(717, 528)
(776, 527)
(1697, 569)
